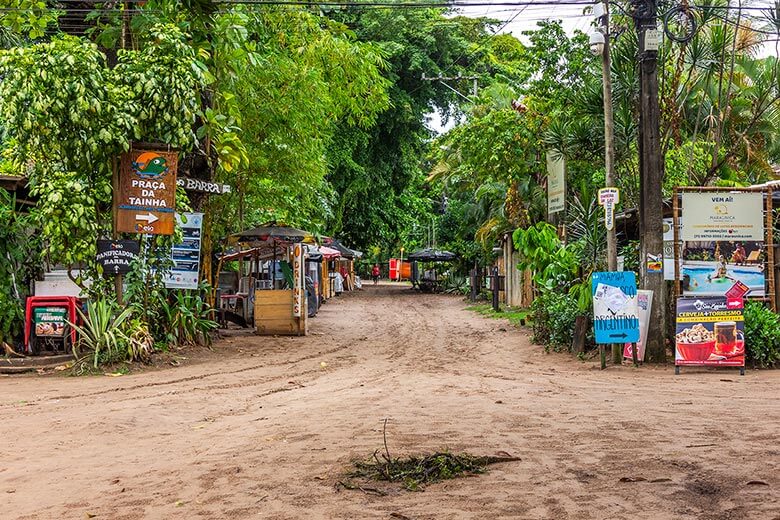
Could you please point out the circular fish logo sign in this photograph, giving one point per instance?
(150, 165)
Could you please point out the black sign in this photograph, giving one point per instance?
(116, 255)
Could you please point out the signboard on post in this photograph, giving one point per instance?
(116, 256)
(723, 242)
(615, 312)
(609, 198)
(710, 332)
(556, 184)
(668, 259)
(186, 256)
(146, 199)
(202, 186)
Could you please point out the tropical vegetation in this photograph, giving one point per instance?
(315, 115)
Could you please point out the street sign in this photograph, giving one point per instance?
(609, 197)
(615, 311)
(116, 256)
(147, 192)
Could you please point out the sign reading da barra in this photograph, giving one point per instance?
(203, 186)
(147, 190)
(722, 216)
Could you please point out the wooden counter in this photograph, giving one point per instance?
(274, 314)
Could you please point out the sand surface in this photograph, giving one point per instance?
(264, 428)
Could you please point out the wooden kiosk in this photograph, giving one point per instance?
(274, 279)
(283, 312)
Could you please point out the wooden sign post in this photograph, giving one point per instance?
(146, 197)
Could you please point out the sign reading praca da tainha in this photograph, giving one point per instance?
(147, 191)
(615, 310)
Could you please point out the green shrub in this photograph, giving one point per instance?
(100, 334)
(554, 315)
(455, 284)
(762, 335)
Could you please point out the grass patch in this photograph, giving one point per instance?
(515, 315)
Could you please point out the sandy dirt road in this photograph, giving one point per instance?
(262, 429)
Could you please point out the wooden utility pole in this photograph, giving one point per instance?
(609, 151)
(651, 175)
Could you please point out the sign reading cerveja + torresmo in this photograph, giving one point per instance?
(147, 192)
(722, 216)
(710, 332)
(186, 255)
(556, 184)
(615, 312)
(116, 256)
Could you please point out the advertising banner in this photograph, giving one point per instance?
(50, 321)
(644, 302)
(722, 235)
(186, 256)
(723, 216)
(556, 184)
(147, 191)
(615, 312)
(710, 332)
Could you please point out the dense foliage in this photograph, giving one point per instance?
(316, 117)
(762, 335)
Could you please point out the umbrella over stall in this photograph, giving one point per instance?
(430, 254)
(273, 234)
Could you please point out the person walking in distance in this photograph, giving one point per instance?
(375, 273)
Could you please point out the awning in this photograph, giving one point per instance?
(329, 252)
(271, 232)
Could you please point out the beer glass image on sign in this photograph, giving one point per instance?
(729, 341)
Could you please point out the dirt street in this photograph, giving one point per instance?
(264, 427)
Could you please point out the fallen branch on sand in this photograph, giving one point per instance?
(417, 471)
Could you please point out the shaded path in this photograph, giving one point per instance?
(263, 428)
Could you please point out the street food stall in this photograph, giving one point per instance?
(428, 280)
(342, 268)
(329, 255)
(272, 286)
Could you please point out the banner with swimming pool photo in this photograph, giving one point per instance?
(712, 268)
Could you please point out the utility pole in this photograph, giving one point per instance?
(651, 175)
(601, 44)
